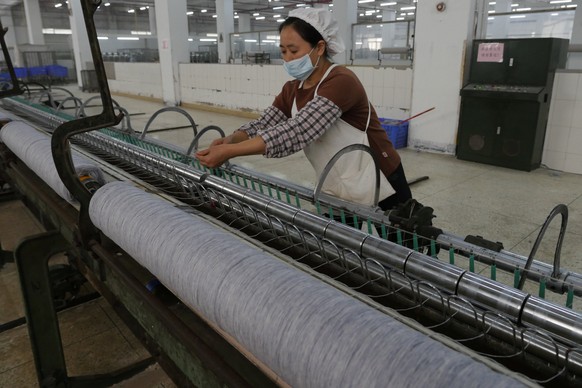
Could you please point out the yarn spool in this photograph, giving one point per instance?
(34, 148)
(309, 333)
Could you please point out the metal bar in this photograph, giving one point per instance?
(60, 138)
(32, 258)
(508, 261)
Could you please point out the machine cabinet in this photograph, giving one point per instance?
(506, 102)
(508, 133)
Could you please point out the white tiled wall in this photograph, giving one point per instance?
(238, 87)
(253, 87)
(140, 79)
(563, 144)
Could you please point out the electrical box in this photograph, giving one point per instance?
(505, 104)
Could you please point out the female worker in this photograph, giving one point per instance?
(322, 110)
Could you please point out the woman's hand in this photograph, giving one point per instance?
(214, 156)
(222, 140)
(217, 154)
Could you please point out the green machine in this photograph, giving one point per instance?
(506, 102)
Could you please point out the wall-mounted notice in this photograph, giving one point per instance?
(490, 52)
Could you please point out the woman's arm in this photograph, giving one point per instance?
(217, 155)
(236, 137)
(296, 133)
(269, 118)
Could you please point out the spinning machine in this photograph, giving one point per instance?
(234, 278)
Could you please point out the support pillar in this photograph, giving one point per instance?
(346, 13)
(224, 27)
(81, 48)
(244, 22)
(389, 30)
(152, 17)
(442, 40)
(172, 28)
(575, 59)
(33, 22)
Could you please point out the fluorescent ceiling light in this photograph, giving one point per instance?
(207, 40)
(522, 9)
(130, 10)
(102, 38)
(58, 5)
(259, 18)
(190, 13)
(390, 3)
(127, 38)
(57, 31)
(517, 17)
(407, 8)
(278, 7)
(365, 1)
(560, 1)
(203, 10)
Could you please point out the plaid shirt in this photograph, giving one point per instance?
(284, 136)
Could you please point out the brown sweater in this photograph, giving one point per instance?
(344, 89)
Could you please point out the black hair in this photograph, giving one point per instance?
(304, 29)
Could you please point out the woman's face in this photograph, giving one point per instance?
(293, 46)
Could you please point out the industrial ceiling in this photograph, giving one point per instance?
(265, 13)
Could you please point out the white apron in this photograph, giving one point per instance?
(353, 176)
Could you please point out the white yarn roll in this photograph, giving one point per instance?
(34, 148)
(310, 334)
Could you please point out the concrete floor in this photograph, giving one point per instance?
(468, 198)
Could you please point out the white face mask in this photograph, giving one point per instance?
(301, 68)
